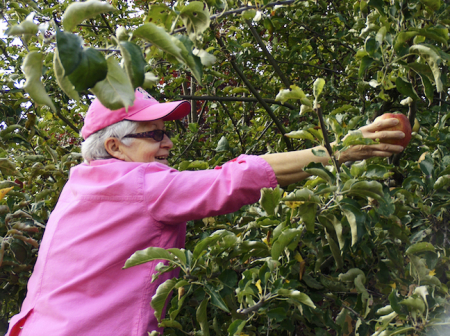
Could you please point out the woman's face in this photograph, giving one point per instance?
(147, 149)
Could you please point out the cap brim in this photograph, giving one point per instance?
(165, 111)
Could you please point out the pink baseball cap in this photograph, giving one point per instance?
(145, 108)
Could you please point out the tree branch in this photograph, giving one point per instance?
(266, 52)
(235, 125)
(244, 99)
(241, 75)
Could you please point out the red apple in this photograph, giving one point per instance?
(403, 126)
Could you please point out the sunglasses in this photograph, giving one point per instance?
(157, 135)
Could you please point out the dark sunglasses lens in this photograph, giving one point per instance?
(158, 135)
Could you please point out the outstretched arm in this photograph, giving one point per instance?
(288, 166)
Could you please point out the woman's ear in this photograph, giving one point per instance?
(114, 147)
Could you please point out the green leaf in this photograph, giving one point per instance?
(236, 327)
(32, 68)
(70, 51)
(355, 218)
(195, 17)
(285, 238)
(300, 135)
(193, 62)
(216, 299)
(158, 37)
(414, 304)
(351, 275)
(91, 70)
(77, 12)
(433, 5)
(335, 250)
(319, 170)
(393, 300)
(134, 63)
(426, 165)
(162, 293)
(222, 145)
(203, 244)
(402, 39)
(433, 60)
(428, 89)
(358, 168)
(179, 253)
(161, 14)
(170, 324)
(365, 64)
(356, 138)
(26, 27)
(319, 83)
(420, 247)
(293, 93)
(442, 182)
(116, 90)
(202, 317)
(63, 82)
(297, 296)
(406, 89)
(149, 254)
(308, 212)
(302, 195)
(372, 189)
(371, 45)
(439, 35)
(8, 168)
(270, 198)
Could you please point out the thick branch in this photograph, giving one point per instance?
(266, 52)
(252, 308)
(247, 83)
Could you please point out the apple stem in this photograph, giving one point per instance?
(318, 110)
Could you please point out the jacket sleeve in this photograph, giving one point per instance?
(174, 197)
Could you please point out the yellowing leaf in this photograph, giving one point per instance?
(393, 285)
(432, 273)
(258, 285)
(4, 191)
(298, 257)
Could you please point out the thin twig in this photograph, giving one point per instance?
(244, 99)
(107, 23)
(235, 126)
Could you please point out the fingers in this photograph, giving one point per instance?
(361, 152)
(394, 135)
(380, 125)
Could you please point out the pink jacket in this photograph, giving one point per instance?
(107, 211)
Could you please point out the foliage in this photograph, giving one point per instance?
(356, 249)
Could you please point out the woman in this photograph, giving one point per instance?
(125, 198)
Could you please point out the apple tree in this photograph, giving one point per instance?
(356, 249)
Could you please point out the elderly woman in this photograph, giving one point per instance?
(125, 198)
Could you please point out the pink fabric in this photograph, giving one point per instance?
(106, 212)
(144, 108)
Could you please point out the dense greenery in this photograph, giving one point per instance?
(358, 249)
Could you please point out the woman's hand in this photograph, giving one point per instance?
(375, 131)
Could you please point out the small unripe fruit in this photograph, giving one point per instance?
(403, 126)
(416, 126)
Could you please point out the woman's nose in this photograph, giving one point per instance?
(166, 142)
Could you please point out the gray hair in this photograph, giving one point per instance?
(93, 147)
